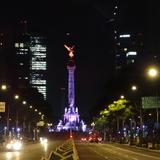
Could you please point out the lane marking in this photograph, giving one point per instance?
(108, 158)
(141, 154)
(99, 153)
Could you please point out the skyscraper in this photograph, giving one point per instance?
(22, 65)
(38, 64)
(31, 52)
(128, 43)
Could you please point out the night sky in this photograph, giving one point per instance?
(89, 28)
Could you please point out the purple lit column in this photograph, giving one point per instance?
(71, 95)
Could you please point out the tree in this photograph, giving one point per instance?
(110, 117)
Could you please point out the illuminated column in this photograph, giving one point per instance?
(71, 95)
(71, 67)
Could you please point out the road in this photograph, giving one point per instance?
(31, 151)
(93, 151)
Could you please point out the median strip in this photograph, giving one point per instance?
(66, 151)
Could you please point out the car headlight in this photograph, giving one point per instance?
(44, 141)
(9, 146)
(17, 145)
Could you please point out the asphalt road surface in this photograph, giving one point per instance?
(31, 151)
(94, 151)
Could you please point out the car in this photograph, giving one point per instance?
(43, 140)
(94, 138)
(14, 145)
(83, 139)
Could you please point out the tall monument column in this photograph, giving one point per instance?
(71, 68)
(71, 92)
(71, 119)
(71, 116)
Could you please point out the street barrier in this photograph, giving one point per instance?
(66, 151)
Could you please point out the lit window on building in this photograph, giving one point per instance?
(16, 45)
(125, 49)
(125, 36)
(21, 45)
(38, 82)
(131, 53)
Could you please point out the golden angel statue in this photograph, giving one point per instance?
(70, 50)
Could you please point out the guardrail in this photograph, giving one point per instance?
(66, 151)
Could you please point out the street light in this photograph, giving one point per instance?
(3, 87)
(152, 72)
(16, 96)
(24, 102)
(134, 88)
(122, 97)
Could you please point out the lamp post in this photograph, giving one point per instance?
(4, 88)
(153, 74)
(16, 97)
(134, 88)
(24, 118)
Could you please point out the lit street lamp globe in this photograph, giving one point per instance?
(134, 88)
(24, 102)
(122, 97)
(16, 96)
(3, 87)
(152, 72)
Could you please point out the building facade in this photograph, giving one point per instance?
(128, 43)
(31, 63)
(38, 64)
(22, 61)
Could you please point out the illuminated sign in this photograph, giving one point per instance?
(150, 102)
